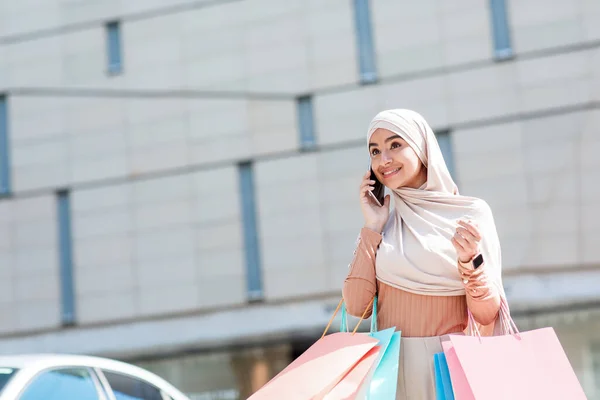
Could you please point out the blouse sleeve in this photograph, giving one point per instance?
(360, 285)
(483, 297)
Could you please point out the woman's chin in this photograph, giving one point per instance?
(395, 184)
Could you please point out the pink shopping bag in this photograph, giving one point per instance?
(518, 366)
(318, 369)
(358, 383)
(460, 385)
(349, 385)
(339, 357)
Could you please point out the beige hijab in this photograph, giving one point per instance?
(416, 253)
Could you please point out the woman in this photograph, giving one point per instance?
(423, 258)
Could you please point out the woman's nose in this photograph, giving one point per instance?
(385, 158)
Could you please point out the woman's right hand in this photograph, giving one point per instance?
(375, 215)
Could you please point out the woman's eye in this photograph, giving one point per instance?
(374, 152)
(395, 145)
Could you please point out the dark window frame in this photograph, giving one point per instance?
(125, 375)
(114, 47)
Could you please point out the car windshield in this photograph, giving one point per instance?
(5, 375)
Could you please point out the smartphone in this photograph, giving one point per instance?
(378, 192)
(477, 261)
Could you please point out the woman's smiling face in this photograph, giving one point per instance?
(394, 162)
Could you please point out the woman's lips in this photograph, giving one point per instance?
(387, 175)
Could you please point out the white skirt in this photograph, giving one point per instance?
(416, 374)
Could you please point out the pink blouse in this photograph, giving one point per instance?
(413, 314)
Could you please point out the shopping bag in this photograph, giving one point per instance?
(320, 368)
(382, 380)
(349, 386)
(519, 365)
(458, 379)
(354, 385)
(384, 383)
(443, 384)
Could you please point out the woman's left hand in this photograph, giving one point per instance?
(466, 241)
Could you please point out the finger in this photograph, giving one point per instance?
(467, 235)
(467, 224)
(364, 198)
(363, 187)
(367, 188)
(462, 241)
(369, 198)
(363, 195)
(366, 182)
(457, 245)
(471, 227)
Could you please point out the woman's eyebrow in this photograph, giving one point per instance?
(386, 140)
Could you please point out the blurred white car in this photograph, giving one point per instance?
(71, 377)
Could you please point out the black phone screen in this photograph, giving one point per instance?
(379, 190)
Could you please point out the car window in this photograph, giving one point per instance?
(62, 384)
(5, 375)
(126, 387)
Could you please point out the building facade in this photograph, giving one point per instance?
(178, 180)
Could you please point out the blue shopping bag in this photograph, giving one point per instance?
(383, 381)
(443, 384)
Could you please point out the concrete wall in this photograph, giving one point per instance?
(30, 293)
(57, 142)
(158, 246)
(260, 45)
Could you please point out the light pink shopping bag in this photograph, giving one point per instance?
(320, 368)
(521, 366)
(460, 385)
(347, 388)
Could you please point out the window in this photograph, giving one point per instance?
(5, 375)
(60, 384)
(4, 151)
(113, 40)
(254, 281)
(364, 42)
(66, 258)
(445, 143)
(306, 122)
(129, 388)
(500, 30)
